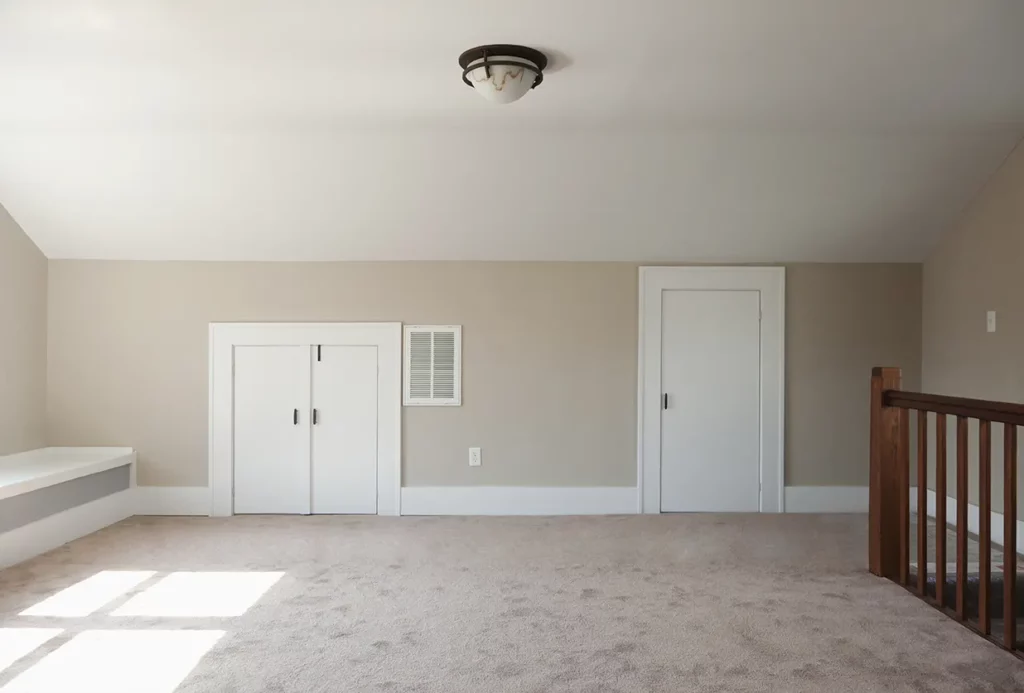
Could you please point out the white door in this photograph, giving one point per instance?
(271, 429)
(345, 430)
(710, 426)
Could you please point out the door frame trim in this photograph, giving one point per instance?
(224, 337)
(771, 282)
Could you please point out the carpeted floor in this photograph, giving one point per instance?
(656, 603)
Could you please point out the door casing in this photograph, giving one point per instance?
(224, 337)
(771, 283)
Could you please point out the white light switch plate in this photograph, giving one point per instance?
(474, 457)
(991, 321)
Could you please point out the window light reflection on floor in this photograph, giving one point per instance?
(200, 595)
(89, 595)
(118, 661)
(15, 643)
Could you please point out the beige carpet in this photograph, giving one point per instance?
(661, 603)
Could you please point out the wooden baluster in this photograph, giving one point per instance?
(984, 524)
(961, 517)
(883, 498)
(940, 510)
(903, 479)
(922, 501)
(1009, 536)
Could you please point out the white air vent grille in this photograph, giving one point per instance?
(433, 365)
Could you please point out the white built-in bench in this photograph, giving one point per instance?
(51, 496)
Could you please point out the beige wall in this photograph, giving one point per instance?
(549, 360)
(977, 267)
(22, 340)
(842, 320)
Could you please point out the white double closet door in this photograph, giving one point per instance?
(305, 429)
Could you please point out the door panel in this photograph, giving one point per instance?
(710, 431)
(345, 435)
(271, 450)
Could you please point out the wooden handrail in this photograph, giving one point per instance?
(986, 410)
(889, 498)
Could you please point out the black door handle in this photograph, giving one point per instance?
(295, 417)
(316, 417)
(664, 401)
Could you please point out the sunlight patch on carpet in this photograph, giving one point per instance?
(89, 595)
(200, 595)
(112, 661)
(15, 643)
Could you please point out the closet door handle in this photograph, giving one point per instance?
(295, 417)
(316, 416)
(664, 401)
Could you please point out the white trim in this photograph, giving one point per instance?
(518, 500)
(387, 337)
(973, 517)
(172, 500)
(47, 534)
(642, 310)
(35, 469)
(827, 499)
(771, 282)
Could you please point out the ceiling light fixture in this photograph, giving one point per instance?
(503, 73)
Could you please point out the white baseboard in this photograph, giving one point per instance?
(519, 500)
(826, 499)
(973, 517)
(172, 500)
(614, 500)
(44, 535)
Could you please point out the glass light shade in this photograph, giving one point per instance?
(507, 83)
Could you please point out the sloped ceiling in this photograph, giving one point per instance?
(666, 130)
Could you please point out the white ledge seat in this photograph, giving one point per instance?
(51, 496)
(36, 469)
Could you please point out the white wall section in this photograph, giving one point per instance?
(23, 309)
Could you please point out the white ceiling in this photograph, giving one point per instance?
(725, 130)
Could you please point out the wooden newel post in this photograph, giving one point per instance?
(886, 484)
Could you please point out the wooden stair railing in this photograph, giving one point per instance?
(889, 513)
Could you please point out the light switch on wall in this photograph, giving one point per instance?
(991, 321)
(474, 457)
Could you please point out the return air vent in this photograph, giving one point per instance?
(433, 365)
